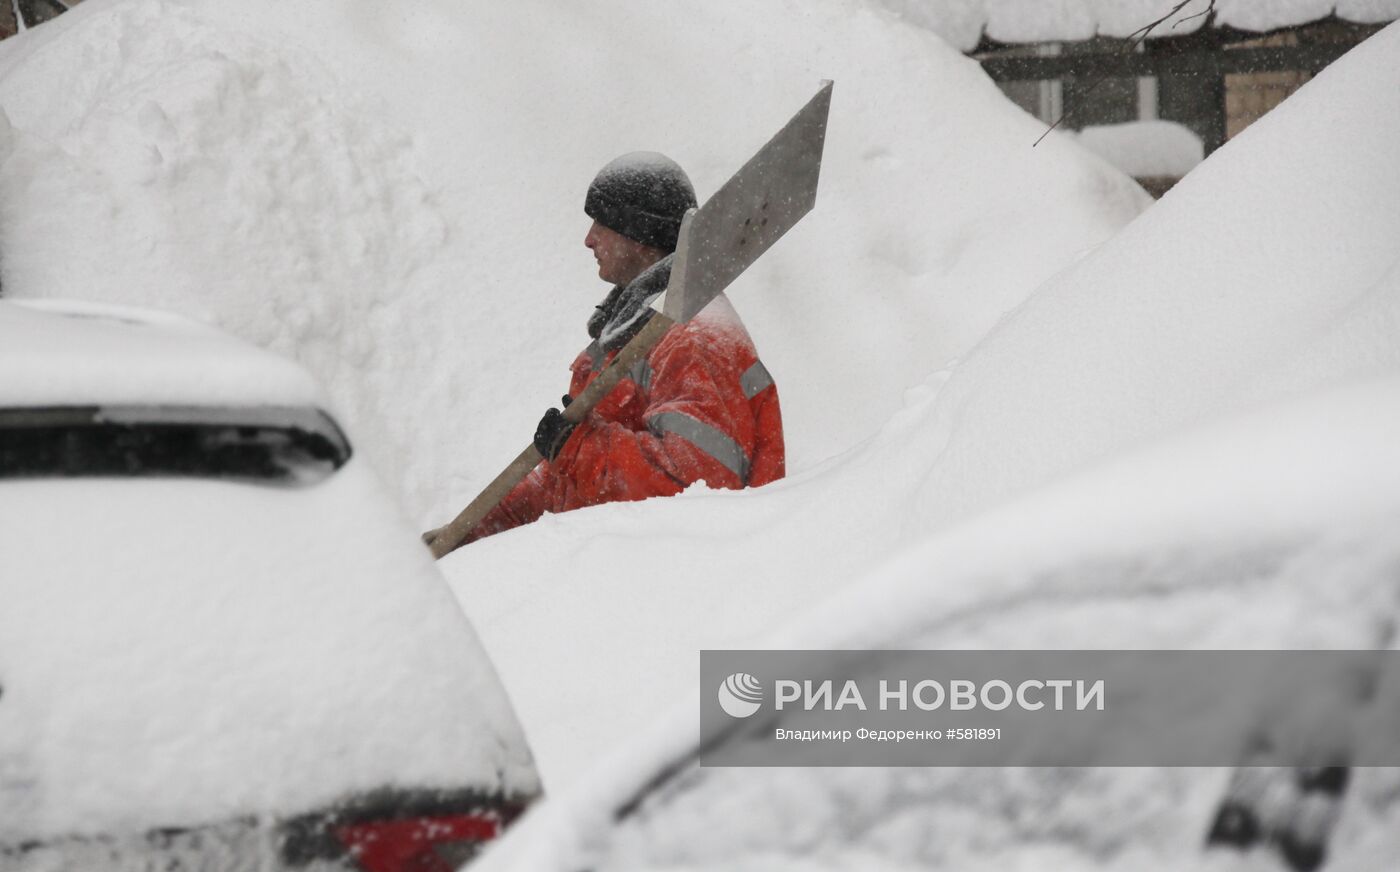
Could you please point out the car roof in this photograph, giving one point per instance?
(67, 353)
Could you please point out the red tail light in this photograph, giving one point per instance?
(385, 831)
(427, 844)
(397, 830)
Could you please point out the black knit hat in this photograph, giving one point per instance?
(643, 196)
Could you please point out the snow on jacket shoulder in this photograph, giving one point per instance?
(700, 406)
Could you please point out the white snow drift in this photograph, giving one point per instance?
(393, 195)
(1269, 530)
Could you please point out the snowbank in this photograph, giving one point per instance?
(1270, 530)
(1226, 294)
(1283, 243)
(1145, 148)
(252, 163)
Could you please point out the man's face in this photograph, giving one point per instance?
(620, 260)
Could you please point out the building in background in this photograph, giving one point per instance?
(17, 15)
(1141, 102)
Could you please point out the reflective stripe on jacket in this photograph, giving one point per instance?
(700, 406)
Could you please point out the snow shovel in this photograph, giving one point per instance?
(717, 242)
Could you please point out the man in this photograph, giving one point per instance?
(699, 407)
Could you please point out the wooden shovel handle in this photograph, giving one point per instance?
(450, 537)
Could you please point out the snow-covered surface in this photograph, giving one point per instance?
(392, 194)
(1145, 148)
(1270, 14)
(1272, 530)
(1226, 294)
(56, 353)
(1271, 268)
(428, 282)
(964, 22)
(179, 652)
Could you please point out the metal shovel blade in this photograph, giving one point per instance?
(743, 219)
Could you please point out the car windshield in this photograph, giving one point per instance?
(269, 445)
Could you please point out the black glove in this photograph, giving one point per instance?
(552, 432)
(567, 399)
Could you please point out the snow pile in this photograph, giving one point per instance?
(1272, 530)
(1321, 472)
(1280, 249)
(248, 163)
(1224, 295)
(1145, 148)
(190, 168)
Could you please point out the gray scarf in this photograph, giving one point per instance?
(627, 308)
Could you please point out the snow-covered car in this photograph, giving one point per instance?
(220, 647)
(1272, 531)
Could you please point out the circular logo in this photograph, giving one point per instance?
(740, 695)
